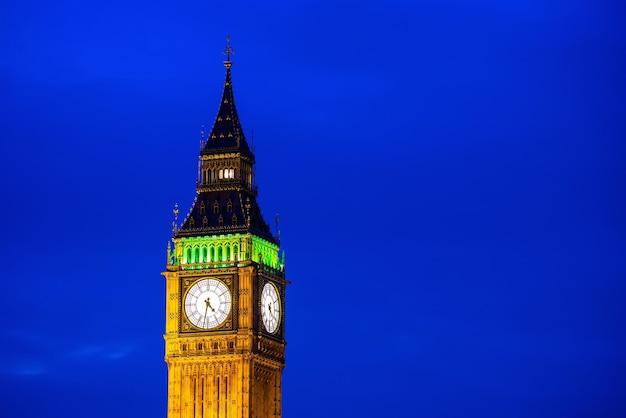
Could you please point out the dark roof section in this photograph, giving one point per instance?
(227, 207)
(227, 134)
(232, 207)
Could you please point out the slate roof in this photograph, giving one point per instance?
(232, 199)
(227, 134)
(204, 218)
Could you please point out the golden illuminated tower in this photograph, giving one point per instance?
(225, 288)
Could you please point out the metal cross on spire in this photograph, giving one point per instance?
(277, 220)
(175, 222)
(228, 51)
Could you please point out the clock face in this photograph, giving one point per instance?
(207, 303)
(270, 308)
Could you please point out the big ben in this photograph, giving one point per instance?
(225, 287)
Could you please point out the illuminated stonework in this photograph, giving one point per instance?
(223, 250)
(224, 347)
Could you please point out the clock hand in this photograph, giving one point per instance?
(208, 304)
(205, 316)
(269, 305)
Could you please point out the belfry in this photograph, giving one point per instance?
(225, 287)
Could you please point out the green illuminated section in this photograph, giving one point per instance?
(222, 250)
(265, 250)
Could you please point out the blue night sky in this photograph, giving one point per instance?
(449, 176)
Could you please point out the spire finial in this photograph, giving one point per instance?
(175, 222)
(277, 220)
(228, 51)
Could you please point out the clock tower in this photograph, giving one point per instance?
(225, 287)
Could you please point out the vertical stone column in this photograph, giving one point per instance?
(245, 293)
(172, 299)
(173, 390)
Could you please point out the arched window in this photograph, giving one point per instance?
(188, 255)
(205, 222)
(227, 253)
(220, 221)
(196, 255)
(219, 254)
(204, 255)
(216, 207)
(192, 222)
(234, 220)
(211, 254)
(229, 206)
(235, 252)
(202, 208)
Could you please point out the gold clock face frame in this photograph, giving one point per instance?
(270, 308)
(208, 303)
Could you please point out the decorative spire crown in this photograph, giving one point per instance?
(227, 134)
(226, 201)
(228, 51)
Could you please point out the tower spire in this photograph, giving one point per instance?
(226, 179)
(227, 134)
